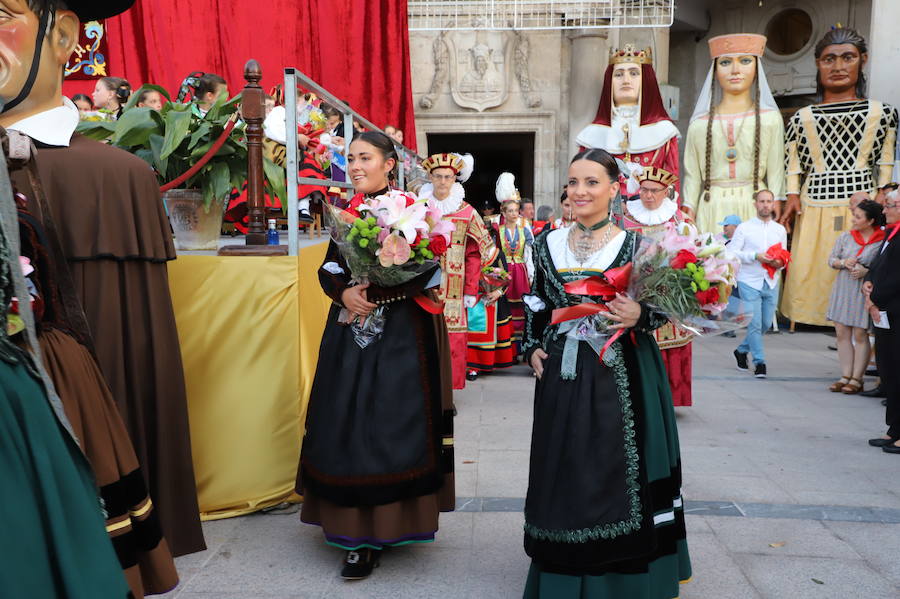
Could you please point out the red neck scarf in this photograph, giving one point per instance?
(876, 236)
(893, 228)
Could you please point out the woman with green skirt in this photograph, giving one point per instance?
(603, 514)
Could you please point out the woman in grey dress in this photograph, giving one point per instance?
(853, 252)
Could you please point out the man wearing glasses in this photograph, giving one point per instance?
(835, 149)
(656, 206)
(882, 287)
(471, 248)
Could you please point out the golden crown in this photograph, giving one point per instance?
(631, 54)
(660, 175)
(445, 160)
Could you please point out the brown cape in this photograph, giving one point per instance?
(116, 238)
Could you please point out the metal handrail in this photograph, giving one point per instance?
(293, 77)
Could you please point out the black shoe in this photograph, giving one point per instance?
(875, 392)
(760, 370)
(359, 564)
(872, 372)
(879, 442)
(304, 216)
(729, 334)
(472, 375)
(741, 358)
(890, 449)
(832, 347)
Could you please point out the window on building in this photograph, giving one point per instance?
(789, 31)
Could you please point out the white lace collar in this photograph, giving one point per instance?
(451, 204)
(652, 217)
(53, 127)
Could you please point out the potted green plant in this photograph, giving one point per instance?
(172, 141)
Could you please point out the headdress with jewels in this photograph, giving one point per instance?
(631, 54)
(445, 160)
(462, 165)
(659, 175)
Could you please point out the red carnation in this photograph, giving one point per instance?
(438, 245)
(710, 296)
(682, 259)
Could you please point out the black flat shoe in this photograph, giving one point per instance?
(360, 563)
(741, 359)
(876, 392)
(890, 449)
(472, 375)
(879, 442)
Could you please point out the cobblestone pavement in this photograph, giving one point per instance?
(784, 498)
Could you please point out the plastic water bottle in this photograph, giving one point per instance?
(272, 233)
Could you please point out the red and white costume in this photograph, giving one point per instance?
(470, 249)
(674, 342)
(642, 134)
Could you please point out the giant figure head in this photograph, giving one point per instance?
(36, 39)
(841, 55)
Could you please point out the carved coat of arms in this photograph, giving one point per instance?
(478, 74)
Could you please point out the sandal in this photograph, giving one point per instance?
(838, 386)
(853, 387)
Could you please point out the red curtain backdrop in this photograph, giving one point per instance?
(356, 49)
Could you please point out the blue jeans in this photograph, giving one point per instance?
(760, 304)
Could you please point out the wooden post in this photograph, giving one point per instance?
(253, 111)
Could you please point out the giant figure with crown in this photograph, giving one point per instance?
(632, 123)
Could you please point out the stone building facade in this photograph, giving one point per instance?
(474, 88)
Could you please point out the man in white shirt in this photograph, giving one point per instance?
(758, 290)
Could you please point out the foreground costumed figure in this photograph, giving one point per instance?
(632, 123)
(116, 238)
(64, 338)
(516, 240)
(649, 215)
(52, 520)
(377, 461)
(735, 141)
(603, 514)
(834, 149)
(471, 248)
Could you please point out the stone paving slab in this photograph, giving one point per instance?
(766, 462)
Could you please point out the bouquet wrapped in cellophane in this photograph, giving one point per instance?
(387, 241)
(493, 278)
(688, 277)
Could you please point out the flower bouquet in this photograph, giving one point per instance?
(689, 278)
(493, 278)
(387, 241)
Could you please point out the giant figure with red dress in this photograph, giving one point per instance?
(471, 248)
(632, 123)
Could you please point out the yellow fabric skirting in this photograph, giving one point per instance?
(249, 329)
(809, 278)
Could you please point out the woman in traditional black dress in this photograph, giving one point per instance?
(603, 515)
(377, 461)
